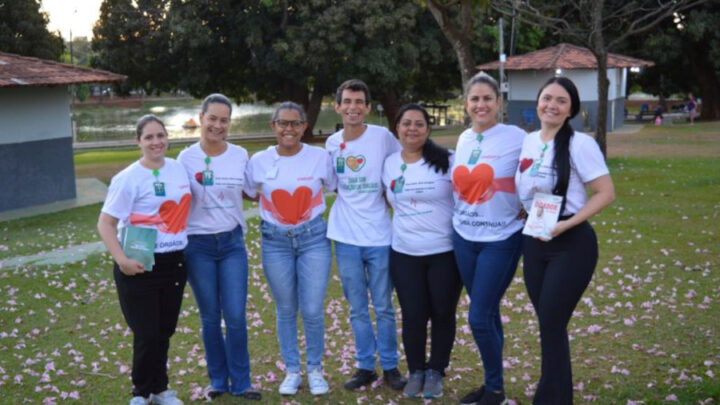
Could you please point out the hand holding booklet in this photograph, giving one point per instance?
(139, 244)
(543, 215)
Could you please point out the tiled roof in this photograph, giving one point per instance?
(563, 56)
(16, 71)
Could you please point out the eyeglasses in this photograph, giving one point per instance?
(296, 124)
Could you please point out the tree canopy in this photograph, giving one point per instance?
(23, 30)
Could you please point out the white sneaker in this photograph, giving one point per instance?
(138, 400)
(166, 397)
(290, 384)
(318, 385)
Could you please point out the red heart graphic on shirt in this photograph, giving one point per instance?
(174, 215)
(525, 163)
(199, 177)
(472, 185)
(292, 207)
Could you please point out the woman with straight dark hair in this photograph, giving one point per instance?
(422, 265)
(486, 235)
(150, 198)
(557, 160)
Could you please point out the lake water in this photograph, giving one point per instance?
(100, 123)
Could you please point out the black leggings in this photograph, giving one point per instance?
(150, 303)
(428, 288)
(556, 275)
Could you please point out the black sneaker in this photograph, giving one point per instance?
(474, 397)
(394, 379)
(361, 378)
(493, 398)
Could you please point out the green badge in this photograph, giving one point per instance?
(207, 178)
(159, 187)
(340, 164)
(474, 156)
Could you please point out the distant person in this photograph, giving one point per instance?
(151, 193)
(359, 223)
(216, 256)
(296, 253)
(658, 115)
(422, 264)
(692, 108)
(558, 271)
(487, 229)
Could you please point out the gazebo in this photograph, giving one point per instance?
(527, 72)
(36, 155)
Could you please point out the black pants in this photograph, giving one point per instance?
(151, 303)
(556, 275)
(428, 288)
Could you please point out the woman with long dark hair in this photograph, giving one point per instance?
(557, 160)
(422, 265)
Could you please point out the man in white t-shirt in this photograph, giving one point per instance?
(359, 223)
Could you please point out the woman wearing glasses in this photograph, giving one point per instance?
(295, 252)
(216, 256)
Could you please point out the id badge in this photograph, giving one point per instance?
(340, 165)
(535, 170)
(398, 185)
(474, 156)
(159, 187)
(207, 178)
(272, 173)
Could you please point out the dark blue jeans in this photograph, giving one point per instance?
(486, 269)
(218, 275)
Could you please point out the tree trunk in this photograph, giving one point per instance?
(599, 49)
(459, 37)
(313, 111)
(391, 104)
(705, 76)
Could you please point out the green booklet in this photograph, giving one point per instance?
(139, 244)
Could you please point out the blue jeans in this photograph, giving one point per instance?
(362, 268)
(486, 269)
(218, 274)
(297, 264)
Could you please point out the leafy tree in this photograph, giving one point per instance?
(686, 52)
(130, 38)
(301, 50)
(23, 30)
(600, 25)
(81, 49)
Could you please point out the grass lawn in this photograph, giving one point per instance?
(645, 332)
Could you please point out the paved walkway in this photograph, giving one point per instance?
(72, 254)
(88, 191)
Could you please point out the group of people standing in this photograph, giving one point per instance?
(457, 221)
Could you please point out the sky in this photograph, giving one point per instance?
(76, 15)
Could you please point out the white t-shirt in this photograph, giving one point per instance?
(422, 207)
(216, 207)
(290, 186)
(359, 216)
(586, 164)
(486, 204)
(131, 199)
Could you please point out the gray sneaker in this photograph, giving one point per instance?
(414, 386)
(433, 387)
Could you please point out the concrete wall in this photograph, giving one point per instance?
(36, 160)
